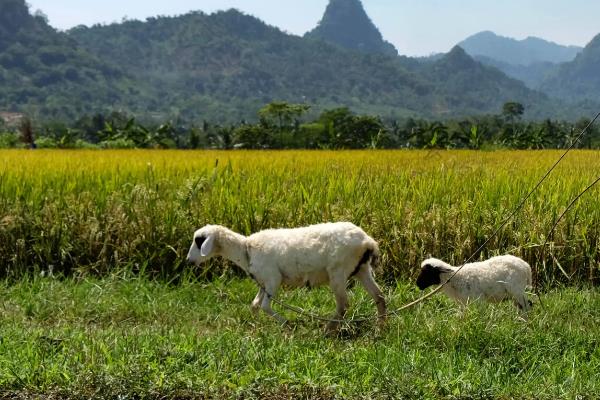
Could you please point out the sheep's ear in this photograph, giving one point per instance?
(207, 246)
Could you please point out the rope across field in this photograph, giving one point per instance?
(355, 319)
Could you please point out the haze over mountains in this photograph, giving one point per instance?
(524, 52)
(226, 65)
(567, 72)
(529, 60)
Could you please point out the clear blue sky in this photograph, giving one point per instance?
(415, 27)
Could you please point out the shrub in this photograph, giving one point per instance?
(9, 140)
(45, 142)
(117, 144)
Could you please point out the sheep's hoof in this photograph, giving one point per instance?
(332, 327)
(287, 325)
(254, 309)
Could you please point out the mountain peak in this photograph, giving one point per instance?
(515, 52)
(594, 43)
(457, 58)
(347, 24)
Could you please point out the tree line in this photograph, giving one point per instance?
(283, 125)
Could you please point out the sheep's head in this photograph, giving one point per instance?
(203, 245)
(431, 270)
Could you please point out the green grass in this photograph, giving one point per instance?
(135, 338)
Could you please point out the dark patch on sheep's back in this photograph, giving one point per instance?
(430, 275)
(364, 259)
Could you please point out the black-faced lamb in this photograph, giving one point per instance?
(493, 280)
(315, 255)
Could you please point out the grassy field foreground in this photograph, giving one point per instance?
(132, 338)
(98, 218)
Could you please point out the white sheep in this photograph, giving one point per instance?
(310, 256)
(493, 280)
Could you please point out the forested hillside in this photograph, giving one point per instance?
(48, 72)
(222, 67)
(580, 78)
(234, 62)
(464, 83)
(229, 64)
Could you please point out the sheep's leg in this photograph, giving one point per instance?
(341, 299)
(365, 277)
(523, 302)
(257, 300)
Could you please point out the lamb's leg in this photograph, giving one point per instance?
(338, 286)
(257, 300)
(271, 291)
(365, 277)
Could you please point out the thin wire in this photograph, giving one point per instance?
(300, 311)
(571, 204)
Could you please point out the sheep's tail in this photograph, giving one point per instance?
(375, 256)
(371, 255)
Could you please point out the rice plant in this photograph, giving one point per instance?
(104, 212)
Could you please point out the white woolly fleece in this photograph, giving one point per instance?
(496, 279)
(328, 253)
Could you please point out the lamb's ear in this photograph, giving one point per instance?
(207, 246)
(444, 270)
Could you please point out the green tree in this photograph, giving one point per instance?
(282, 114)
(512, 111)
(348, 131)
(221, 138)
(475, 138)
(253, 137)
